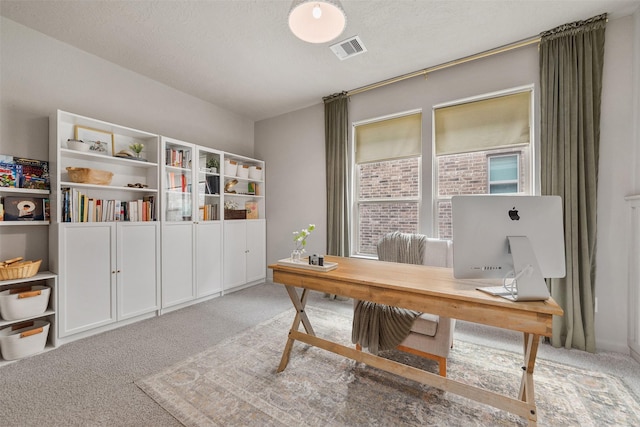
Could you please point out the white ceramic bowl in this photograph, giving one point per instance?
(74, 144)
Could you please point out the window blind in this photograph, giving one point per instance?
(483, 125)
(389, 139)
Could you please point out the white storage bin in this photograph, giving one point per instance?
(255, 172)
(230, 167)
(24, 339)
(29, 302)
(243, 171)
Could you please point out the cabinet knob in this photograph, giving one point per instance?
(118, 271)
(113, 272)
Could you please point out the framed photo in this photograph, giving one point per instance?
(24, 208)
(101, 142)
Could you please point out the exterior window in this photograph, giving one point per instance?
(504, 176)
(387, 161)
(481, 146)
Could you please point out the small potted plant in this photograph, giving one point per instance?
(137, 148)
(213, 164)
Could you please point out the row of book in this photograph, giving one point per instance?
(78, 207)
(178, 158)
(209, 213)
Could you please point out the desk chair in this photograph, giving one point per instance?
(431, 336)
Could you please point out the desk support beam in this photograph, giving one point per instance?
(523, 408)
(299, 303)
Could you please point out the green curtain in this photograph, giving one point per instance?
(336, 131)
(571, 61)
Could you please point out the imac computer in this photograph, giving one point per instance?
(518, 239)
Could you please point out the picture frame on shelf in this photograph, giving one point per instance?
(24, 208)
(101, 142)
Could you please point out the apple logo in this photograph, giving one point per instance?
(513, 214)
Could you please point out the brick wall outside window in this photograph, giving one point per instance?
(467, 173)
(382, 183)
(387, 180)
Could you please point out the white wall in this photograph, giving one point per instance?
(39, 75)
(615, 181)
(300, 137)
(292, 146)
(636, 105)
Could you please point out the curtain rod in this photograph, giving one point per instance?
(425, 71)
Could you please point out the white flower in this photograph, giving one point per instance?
(300, 237)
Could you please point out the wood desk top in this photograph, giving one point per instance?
(422, 288)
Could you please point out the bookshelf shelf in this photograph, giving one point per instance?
(12, 190)
(80, 155)
(23, 223)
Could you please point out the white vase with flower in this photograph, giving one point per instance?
(300, 239)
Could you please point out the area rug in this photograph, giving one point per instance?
(235, 383)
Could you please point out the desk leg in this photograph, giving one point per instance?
(527, 393)
(299, 304)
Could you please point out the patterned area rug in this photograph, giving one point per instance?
(235, 383)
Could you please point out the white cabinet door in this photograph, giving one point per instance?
(235, 247)
(256, 250)
(208, 257)
(137, 268)
(87, 287)
(178, 283)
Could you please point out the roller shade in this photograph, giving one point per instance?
(483, 125)
(389, 139)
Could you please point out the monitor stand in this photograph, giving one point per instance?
(529, 281)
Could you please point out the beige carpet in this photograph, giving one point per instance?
(235, 383)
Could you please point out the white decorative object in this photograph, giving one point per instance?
(77, 145)
(230, 167)
(243, 171)
(255, 172)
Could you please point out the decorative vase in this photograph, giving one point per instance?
(296, 255)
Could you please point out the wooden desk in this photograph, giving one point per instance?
(425, 289)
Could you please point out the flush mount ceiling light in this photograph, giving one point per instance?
(317, 21)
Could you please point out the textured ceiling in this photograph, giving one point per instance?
(241, 56)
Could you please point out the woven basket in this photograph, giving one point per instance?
(235, 214)
(89, 176)
(20, 270)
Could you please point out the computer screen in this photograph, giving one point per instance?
(498, 237)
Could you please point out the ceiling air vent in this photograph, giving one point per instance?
(348, 48)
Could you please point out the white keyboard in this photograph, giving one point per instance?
(495, 290)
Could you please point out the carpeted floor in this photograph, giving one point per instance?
(90, 382)
(234, 383)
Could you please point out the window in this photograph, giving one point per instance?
(504, 175)
(387, 161)
(481, 146)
